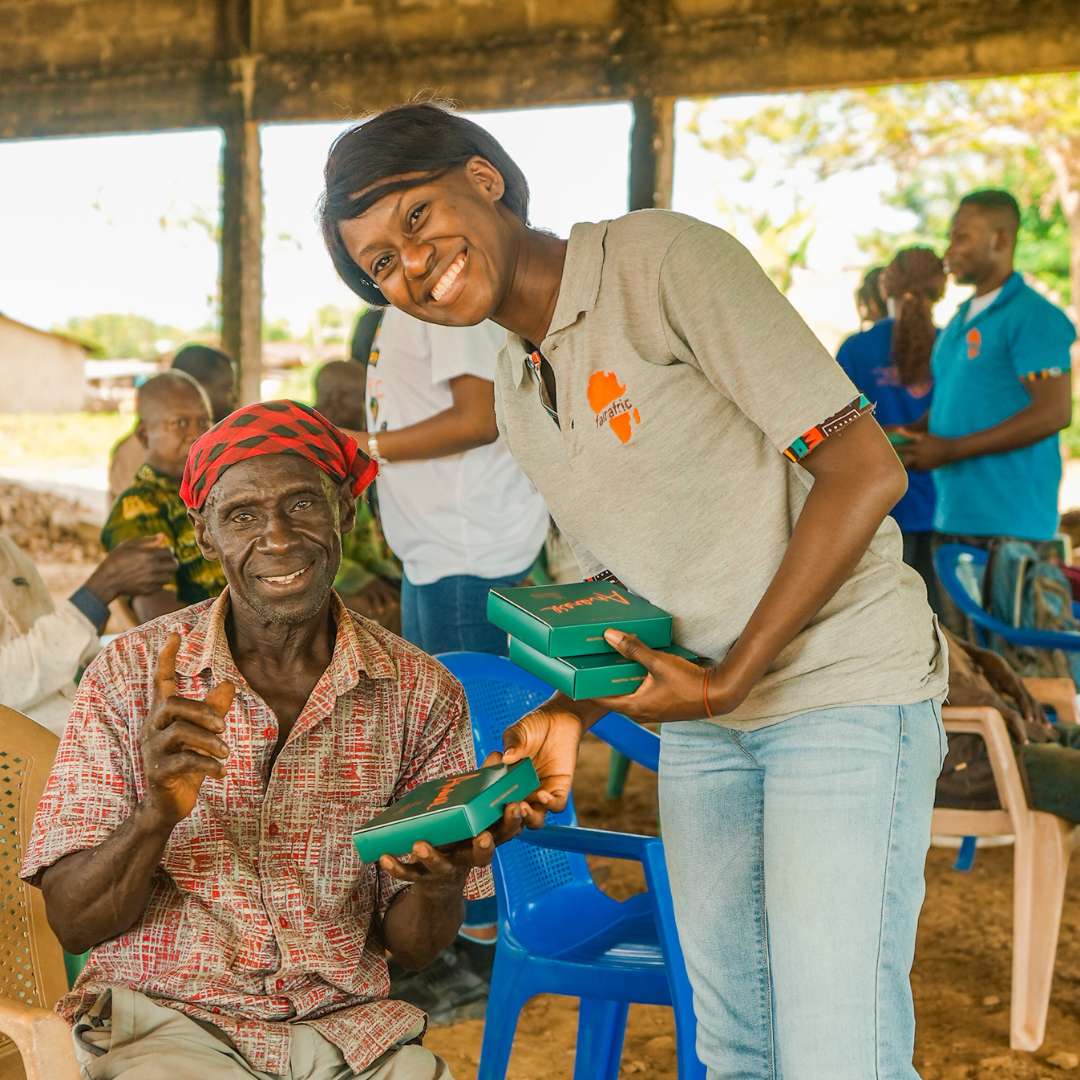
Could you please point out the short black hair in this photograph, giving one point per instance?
(997, 201)
(201, 362)
(420, 138)
(157, 389)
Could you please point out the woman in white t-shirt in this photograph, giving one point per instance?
(455, 507)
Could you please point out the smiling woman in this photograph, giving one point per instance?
(692, 438)
(414, 149)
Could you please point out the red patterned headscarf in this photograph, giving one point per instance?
(273, 427)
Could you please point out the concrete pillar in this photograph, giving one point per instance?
(652, 153)
(241, 253)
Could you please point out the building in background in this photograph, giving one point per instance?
(43, 372)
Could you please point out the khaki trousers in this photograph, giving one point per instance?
(146, 1041)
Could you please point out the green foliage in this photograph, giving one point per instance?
(277, 330)
(941, 139)
(1070, 437)
(123, 337)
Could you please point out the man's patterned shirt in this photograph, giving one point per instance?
(261, 914)
(153, 505)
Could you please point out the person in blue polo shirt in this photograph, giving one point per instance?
(890, 364)
(1002, 392)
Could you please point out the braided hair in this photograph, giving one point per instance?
(915, 280)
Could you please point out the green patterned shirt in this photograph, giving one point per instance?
(365, 554)
(153, 505)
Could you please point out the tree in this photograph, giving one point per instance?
(942, 139)
(116, 336)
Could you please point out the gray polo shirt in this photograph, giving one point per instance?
(682, 379)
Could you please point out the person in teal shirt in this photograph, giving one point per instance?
(1002, 390)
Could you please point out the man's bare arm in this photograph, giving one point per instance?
(94, 895)
(422, 920)
(1050, 411)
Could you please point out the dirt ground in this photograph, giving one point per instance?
(961, 975)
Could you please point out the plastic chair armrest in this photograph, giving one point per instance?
(636, 742)
(1017, 635)
(614, 845)
(43, 1040)
(988, 723)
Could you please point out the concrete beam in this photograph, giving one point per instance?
(710, 47)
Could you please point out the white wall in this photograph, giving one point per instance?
(39, 373)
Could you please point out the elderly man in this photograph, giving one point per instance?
(173, 412)
(195, 833)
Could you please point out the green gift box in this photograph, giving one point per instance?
(570, 620)
(579, 677)
(446, 811)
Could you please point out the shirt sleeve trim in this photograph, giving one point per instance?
(88, 605)
(1044, 373)
(605, 575)
(813, 438)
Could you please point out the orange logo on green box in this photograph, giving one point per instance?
(611, 404)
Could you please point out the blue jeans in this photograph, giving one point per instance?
(450, 614)
(796, 855)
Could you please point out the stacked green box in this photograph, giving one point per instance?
(557, 633)
(580, 677)
(570, 620)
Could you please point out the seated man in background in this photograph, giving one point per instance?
(195, 832)
(369, 580)
(173, 413)
(214, 372)
(42, 645)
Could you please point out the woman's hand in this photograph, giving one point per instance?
(550, 735)
(674, 689)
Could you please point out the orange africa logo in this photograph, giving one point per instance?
(974, 343)
(609, 400)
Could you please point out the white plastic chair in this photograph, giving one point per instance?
(32, 974)
(1043, 845)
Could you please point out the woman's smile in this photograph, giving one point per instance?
(444, 291)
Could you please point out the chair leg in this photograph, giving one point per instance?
(505, 1002)
(617, 771)
(601, 1029)
(965, 856)
(690, 1066)
(1040, 865)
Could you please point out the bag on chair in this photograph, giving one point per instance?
(978, 677)
(1028, 592)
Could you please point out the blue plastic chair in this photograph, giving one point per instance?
(962, 571)
(558, 933)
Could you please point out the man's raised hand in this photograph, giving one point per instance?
(180, 739)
